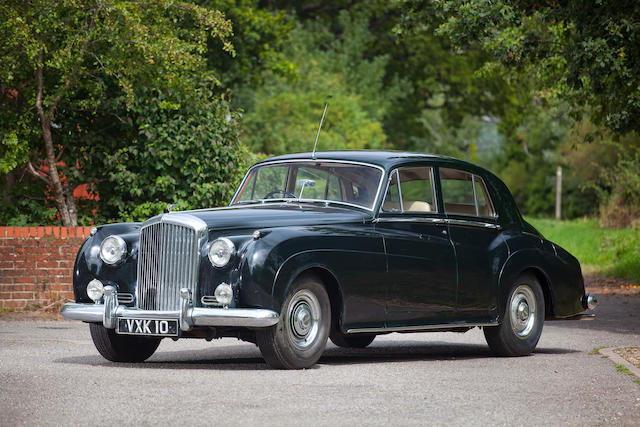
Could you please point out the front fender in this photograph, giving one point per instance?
(296, 265)
(352, 256)
(88, 264)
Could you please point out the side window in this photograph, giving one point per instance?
(464, 193)
(410, 190)
(392, 198)
(416, 189)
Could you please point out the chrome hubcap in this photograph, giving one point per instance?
(522, 311)
(303, 319)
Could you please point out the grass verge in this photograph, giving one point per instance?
(609, 252)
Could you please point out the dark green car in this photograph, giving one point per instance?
(340, 245)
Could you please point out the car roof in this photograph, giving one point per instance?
(384, 159)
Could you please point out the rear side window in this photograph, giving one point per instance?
(414, 192)
(464, 193)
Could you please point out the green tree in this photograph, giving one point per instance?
(284, 113)
(584, 52)
(71, 69)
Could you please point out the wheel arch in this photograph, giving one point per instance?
(545, 284)
(521, 263)
(331, 285)
(303, 264)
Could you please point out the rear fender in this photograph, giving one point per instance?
(517, 263)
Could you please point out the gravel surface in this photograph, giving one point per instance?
(51, 374)
(630, 354)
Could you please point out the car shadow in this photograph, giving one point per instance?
(384, 352)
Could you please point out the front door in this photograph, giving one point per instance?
(421, 264)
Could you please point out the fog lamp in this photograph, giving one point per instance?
(224, 294)
(95, 290)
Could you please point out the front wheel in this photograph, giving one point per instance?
(521, 328)
(122, 348)
(298, 339)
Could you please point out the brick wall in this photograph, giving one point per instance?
(36, 264)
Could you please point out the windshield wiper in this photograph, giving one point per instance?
(246, 202)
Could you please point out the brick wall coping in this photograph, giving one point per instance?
(55, 231)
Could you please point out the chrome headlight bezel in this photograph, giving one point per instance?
(221, 251)
(121, 250)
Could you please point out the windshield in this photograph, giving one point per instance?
(324, 181)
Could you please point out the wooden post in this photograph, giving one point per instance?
(559, 193)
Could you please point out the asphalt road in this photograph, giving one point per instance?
(50, 374)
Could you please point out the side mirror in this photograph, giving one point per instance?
(302, 183)
(306, 183)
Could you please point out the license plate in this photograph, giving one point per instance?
(155, 327)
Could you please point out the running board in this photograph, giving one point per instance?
(420, 328)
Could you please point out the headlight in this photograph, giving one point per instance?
(221, 251)
(113, 249)
(224, 294)
(95, 290)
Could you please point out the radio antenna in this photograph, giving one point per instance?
(313, 154)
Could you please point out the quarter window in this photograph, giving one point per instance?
(465, 193)
(410, 190)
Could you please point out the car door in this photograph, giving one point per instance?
(479, 245)
(421, 266)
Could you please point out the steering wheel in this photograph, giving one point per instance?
(284, 193)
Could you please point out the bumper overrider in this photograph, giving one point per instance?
(188, 316)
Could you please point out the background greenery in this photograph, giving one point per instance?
(146, 104)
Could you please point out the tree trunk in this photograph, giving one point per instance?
(65, 209)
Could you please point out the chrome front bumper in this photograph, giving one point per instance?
(187, 316)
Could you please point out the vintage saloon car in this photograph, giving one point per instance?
(339, 245)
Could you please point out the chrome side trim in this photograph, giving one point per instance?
(410, 219)
(419, 328)
(277, 162)
(462, 222)
(468, 223)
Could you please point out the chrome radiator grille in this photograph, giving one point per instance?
(168, 259)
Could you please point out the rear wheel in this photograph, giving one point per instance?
(352, 340)
(122, 348)
(300, 337)
(521, 328)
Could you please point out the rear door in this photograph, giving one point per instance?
(479, 245)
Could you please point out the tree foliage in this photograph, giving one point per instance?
(75, 73)
(284, 113)
(584, 52)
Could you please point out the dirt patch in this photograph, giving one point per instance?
(30, 315)
(630, 354)
(596, 284)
